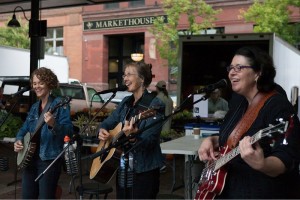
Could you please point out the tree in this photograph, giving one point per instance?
(166, 33)
(273, 16)
(15, 37)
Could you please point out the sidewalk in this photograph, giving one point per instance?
(9, 190)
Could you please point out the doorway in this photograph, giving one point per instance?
(119, 51)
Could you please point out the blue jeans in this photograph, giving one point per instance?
(45, 187)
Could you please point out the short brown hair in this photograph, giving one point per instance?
(144, 71)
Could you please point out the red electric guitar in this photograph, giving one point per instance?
(213, 176)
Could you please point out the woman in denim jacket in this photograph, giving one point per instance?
(143, 151)
(50, 137)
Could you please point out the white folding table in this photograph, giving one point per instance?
(185, 145)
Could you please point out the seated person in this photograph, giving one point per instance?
(217, 106)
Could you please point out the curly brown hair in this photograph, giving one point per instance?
(45, 75)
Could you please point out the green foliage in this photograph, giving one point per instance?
(273, 16)
(11, 126)
(15, 37)
(166, 34)
(184, 115)
(172, 134)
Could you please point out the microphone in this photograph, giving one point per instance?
(121, 88)
(209, 88)
(24, 89)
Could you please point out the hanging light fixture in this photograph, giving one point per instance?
(137, 56)
(14, 22)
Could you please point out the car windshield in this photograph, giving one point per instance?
(75, 93)
(92, 96)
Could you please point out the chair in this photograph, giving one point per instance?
(95, 189)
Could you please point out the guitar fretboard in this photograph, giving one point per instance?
(224, 159)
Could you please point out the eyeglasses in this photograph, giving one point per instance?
(237, 68)
(127, 75)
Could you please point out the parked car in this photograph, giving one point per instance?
(83, 96)
(118, 98)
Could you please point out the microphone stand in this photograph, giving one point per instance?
(124, 140)
(79, 145)
(80, 190)
(8, 113)
(16, 168)
(78, 139)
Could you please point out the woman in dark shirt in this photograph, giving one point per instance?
(263, 169)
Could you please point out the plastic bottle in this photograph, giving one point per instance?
(121, 175)
(122, 170)
(70, 157)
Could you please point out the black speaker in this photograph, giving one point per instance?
(41, 48)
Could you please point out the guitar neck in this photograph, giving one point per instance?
(234, 152)
(224, 159)
(143, 115)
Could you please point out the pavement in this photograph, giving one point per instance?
(10, 181)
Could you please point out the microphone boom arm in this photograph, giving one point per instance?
(126, 139)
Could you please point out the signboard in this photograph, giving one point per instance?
(120, 23)
(200, 108)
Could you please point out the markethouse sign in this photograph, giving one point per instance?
(119, 23)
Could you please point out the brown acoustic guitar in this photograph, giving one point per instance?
(104, 167)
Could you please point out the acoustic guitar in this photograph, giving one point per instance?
(212, 179)
(30, 139)
(104, 167)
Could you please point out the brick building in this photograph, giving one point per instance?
(99, 39)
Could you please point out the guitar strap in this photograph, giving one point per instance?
(248, 118)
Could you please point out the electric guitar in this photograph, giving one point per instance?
(212, 179)
(104, 166)
(30, 139)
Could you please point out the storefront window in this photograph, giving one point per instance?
(109, 6)
(54, 42)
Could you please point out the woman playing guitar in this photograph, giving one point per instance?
(45, 127)
(263, 169)
(144, 150)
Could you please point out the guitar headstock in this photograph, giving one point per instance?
(147, 113)
(280, 128)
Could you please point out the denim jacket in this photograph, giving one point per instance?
(146, 151)
(52, 138)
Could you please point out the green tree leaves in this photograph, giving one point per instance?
(273, 16)
(15, 37)
(199, 15)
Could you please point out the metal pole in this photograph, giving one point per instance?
(34, 40)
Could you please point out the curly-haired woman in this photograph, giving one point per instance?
(49, 138)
